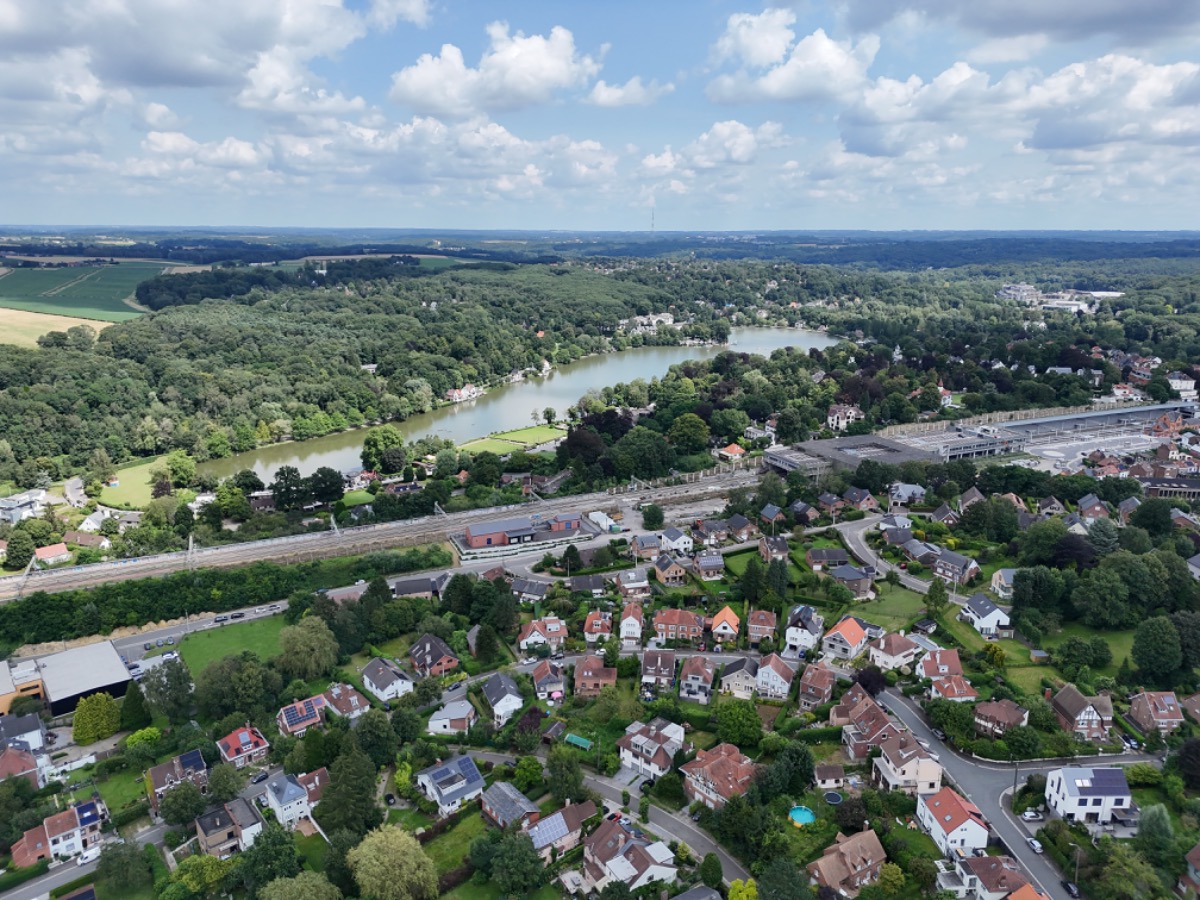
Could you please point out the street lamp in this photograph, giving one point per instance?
(1078, 850)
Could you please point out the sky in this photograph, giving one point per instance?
(602, 115)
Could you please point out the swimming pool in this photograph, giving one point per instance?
(801, 816)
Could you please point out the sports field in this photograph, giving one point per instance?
(88, 292)
(519, 439)
(491, 445)
(23, 328)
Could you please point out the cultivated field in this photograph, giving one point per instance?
(92, 292)
(23, 328)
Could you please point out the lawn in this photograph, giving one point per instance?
(963, 633)
(896, 610)
(490, 445)
(134, 488)
(531, 437)
(313, 848)
(448, 849)
(409, 818)
(358, 498)
(735, 563)
(119, 791)
(1120, 642)
(203, 647)
(88, 292)
(1029, 678)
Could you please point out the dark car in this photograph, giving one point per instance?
(260, 777)
(170, 640)
(614, 816)
(220, 619)
(390, 799)
(237, 616)
(158, 643)
(147, 646)
(1071, 888)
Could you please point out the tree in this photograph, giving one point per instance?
(143, 737)
(564, 776)
(289, 489)
(375, 442)
(743, 890)
(308, 649)
(1156, 649)
(871, 679)
(1187, 625)
(1126, 876)
(135, 714)
(390, 865)
(1104, 536)
(305, 886)
(181, 804)
(571, 559)
(517, 868)
(349, 800)
(169, 689)
(1188, 761)
(652, 516)
(272, 857)
(337, 866)
(782, 879)
(376, 737)
(200, 875)
(936, 598)
(616, 890)
(406, 724)
(710, 870)
(1154, 515)
(1155, 836)
(689, 433)
(528, 773)
(224, 782)
(325, 485)
(850, 814)
(20, 549)
(891, 879)
(181, 468)
(753, 579)
(738, 723)
(924, 872)
(123, 868)
(96, 718)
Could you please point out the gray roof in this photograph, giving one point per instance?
(777, 544)
(981, 605)
(383, 672)
(1084, 782)
(848, 573)
(455, 709)
(737, 522)
(802, 617)
(82, 669)
(828, 554)
(587, 583)
(430, 646)
(743, 663)
(770, 511)
(454, 778)
(647, 541)
(286, 789)
(508, 804)
(498, 687)
(530, 586)
(943, 512)
(1006, 575)
(954, 560)
(12, 727)
(242, 812)
(700, 892)
(1129, 503)
(673, 534)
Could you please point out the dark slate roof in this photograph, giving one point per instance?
(498, 687)
(1081, 782)
(587, 583)
(509, 804)
(455, 778)
(770, 511)
(981, 605)
(847, 573)
(829, 555)
(529, 586)
(802, 617)
(737, 665)
(954, 560)
(16, 726)
(431, 645)
(737, 522)
(286, 789)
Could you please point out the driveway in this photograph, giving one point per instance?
(73, 490)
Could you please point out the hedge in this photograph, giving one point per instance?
(72, 885)
(14, 877)
(452, 879)
(130, 814)
(817, 735)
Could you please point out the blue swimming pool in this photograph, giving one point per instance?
(801, 816)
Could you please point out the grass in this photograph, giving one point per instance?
(897, 609)
(448, 849)
(204, 647)
(409, 818)
(1028, 678)
(134, 488)
(119, 791)
(1120, 642)
(105, 892)
(313, 848)
(531, 437)
(358, 498)
(93, 292)
(23, 327)
(490, 445)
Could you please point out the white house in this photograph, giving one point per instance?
(902, 494)
(904, 765)
(1080, 794)
(845, 640)
(804, 629)
(953, 821)
(386, 680)
(986, 617)
(775, 677)
(1002, 583)
(503, 696)
(550, 632)
(451, 784)
(677, 541)
(456, 717)
(287, 800)
(632, 620)
(892, 651)
(650, 748)
(616, 852)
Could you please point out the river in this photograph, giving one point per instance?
(510, 406)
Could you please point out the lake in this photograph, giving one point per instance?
(510, 406)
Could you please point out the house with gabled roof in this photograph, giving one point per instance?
(505, 805)
(616, 852)
(805, 626)
(904, 765)
(678, 625)
(1091, 508)
(243, 746)
(503, 696)
(451, 784)
(715, 776)
(632, 622)
(1090, 718)
(529, 590)
(649, 748)
(1156, 711)
(939, 664)
(1126, 508)
(711, 532)
(633, 584)
(761, 623)
(845, 640)
(1002, 583)
(1051, 506)
(773, 548)
(677, 541)
(803, 513)
(63, 834)
(953, 687)
(892, 651)
(953, 821)
(849, 864)
(696, 679)
(592, 585)
(709, 565)
(548, 680)
(647, 546)
(830, 503)
(592, 676)
(968, 497)
(994, 717)
(386, 680)
(229, 828)
(772, 514)
(741, 529)
(841, 416)
(816, 685)
(17, 762)
(597, 627)
(740, 678)
(903, 494)
(774, 678)
(988, 878)
(861, 499)
(955, 568)
(658, 669)
(1094, 795)
(288, 800)
(555, 834)
(456, 717)
(725, 625)
(986, 617)
(431, 656)
(189, 766)
(549, 631)
(866, 727)
(854, 579)
(344, 700)
(668, 571)
(822, 558)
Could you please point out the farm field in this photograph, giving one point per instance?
(22, 327)
(203, 647)
(96, 292)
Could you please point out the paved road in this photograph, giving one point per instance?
(855, 534)
(73, 490)
(986, 784)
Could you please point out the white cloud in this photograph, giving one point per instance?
(384, 14)
(1011, 49)
(757, 40)
(631, 93)
(817, 68)
(516, 71)
(281, 83)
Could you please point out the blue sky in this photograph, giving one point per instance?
(885, 114)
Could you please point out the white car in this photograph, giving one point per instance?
(1035, 845)
(90, 855)
(1031, 815)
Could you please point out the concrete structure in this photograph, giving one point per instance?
(1092, 795)
(456, 717)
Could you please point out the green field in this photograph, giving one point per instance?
(96, 292)
(313, 848)
(204, 647)
(537, 434)
(448, 849)
(491, 445)
(134, 489)
(1120, 642)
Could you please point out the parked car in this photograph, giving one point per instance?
(938, 733)
(1031, 815)
(170, 654)
(237, 616)
(1034, 844)
(1071, 888)
(612, 817)
(170, 640)
(390, 799)
(220, 619)
(274, 607)
(158, 643)
(259, 610)
(147, 646)
(90, 855)
(260, 777)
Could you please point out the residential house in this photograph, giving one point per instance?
(1002, 583)
(803, 514)
(616, 852)
(696, 680)
(1075, 525)
(895, 523)
(560, 831)
(804, 629)
(456, 717)
(647, 546)
(892, 651)
(529, 590)
(717, 775)
(1095, 795)
(830, 503)
(921, 551)
(385, 680)
(821, 558)
(228, 829)
(1051, 506)
(1189, 883)
(649, 748)
(771, 515)
(82, 539)
(841, 416)
(243, 746)
(26, 505)
(658, 669)
(451, 784)
(1156, 711)
(902, 494)
(189, 766)
(829, 777)
(592, 676)
(669, 572)
(431, 656)
(709, 565)
(861, 499)
(505, 805)
(597, 627)
(939, 664)
(731, 452)
(985, 878)
(969, 496)
(711, 532)
(761, 623)
(904, 765)
(1126, 508)
(725, 625)
(849, 864)
(17, 762)
(839, 716)
(953, 821)
(64, 834)
(773, 548)
(1087, 717)
(632, 621)
(1091, 508)
(592, 585)
(741, 529)
(288, 800)
(503, 696)
(53, 554)
(774, 679)
(946, 515)
(816, 685)
(740, 678)
(955, 568)
(867, 728)
(28, 731)
(633, 584)
(314, 784)
(549, 631)
(548, 680)
(677, 541)
(986, 617)
(678, 625)
(1191, 706)
(345, 700)
(994, 717)
(856, 580)
(845, 640)
(953, 687)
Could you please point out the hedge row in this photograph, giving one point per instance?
(72, 885)
(130, 814)
(818, 735)
(14, 877)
